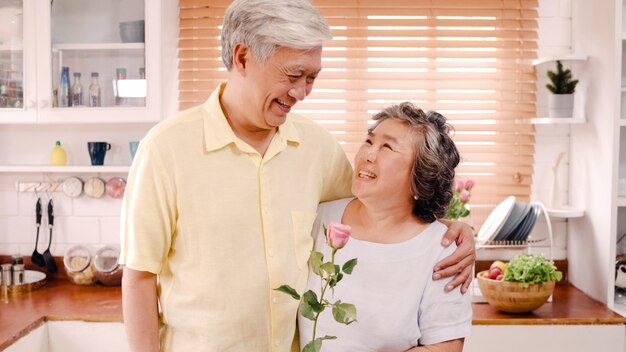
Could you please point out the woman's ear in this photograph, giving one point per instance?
(241, 55)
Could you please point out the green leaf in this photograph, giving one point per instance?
(313, 346)
(306, 310)
(315, 262)
(329, 268)
(333, 282)
(288, 290)
(349, 265)
(311, 298)
(316, 345)
(344, 313)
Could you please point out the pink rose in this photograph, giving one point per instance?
(469, 184)
(337, 235)
(465, 196)
(459, 186)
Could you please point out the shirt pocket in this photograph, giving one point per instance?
(303, 239)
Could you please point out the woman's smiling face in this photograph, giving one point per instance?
(384, 163)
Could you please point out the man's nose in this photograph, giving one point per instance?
(298, 91)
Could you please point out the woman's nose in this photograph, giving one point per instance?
(370, 155)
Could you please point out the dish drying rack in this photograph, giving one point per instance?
(545, 242)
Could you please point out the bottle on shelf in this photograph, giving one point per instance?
(142, 75)
(64, 88)
(120, 74)
(95, 92)
(58, 156)
(77, 91)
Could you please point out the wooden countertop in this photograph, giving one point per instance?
(59, 299)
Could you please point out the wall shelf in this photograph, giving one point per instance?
(77, 169)
(566, 212)
(558, 120)
(564, 57)
(99, 46)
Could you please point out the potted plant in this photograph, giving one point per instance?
(561, 101)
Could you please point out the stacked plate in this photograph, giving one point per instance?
(509, 221)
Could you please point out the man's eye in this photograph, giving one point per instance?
(368, 141)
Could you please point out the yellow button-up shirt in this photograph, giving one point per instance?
(222, 226)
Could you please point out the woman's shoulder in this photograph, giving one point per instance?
(333, 210)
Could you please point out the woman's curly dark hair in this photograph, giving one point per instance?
(435, 160)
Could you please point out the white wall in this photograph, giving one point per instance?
(591, 255)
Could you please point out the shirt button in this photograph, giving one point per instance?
(276, 342)
(270, 253)
(274, 299)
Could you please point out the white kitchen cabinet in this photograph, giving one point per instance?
(73, 336)
(546, 338)
(84, 36)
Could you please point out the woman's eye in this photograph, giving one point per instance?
(387, 146)
(368, 141)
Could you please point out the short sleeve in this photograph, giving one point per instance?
(338, 181)
(148, 215)
(444, 315)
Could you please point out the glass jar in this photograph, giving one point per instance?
(107, 268)
(77, 261)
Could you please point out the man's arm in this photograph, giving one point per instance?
(139, 305)
(461, 262)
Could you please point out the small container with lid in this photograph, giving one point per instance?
(107, 268)
(6, 274)
(18, 274)
(77, 261)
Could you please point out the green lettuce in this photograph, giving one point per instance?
(531, 269)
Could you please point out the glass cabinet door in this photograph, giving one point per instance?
(98, 56)
(11, 55)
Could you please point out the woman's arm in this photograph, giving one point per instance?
(139, 306)
(461, 262)
(455, 345)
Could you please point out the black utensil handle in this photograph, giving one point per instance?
(38, 212)
(50, 213)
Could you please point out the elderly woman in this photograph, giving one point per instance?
(404, 174)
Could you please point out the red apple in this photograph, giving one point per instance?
(494, 272)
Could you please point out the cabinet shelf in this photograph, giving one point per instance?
(558, 120)
(564, 57)
(98, 46)
(621, 201)
(64, 169)
(622, 122)
(10, 48)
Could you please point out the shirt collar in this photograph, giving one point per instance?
(217, 131)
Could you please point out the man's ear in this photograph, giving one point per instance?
(241, 55)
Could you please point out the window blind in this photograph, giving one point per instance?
(468, 60)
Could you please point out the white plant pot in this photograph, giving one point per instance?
(561, 105)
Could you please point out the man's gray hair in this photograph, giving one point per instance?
(266, 25)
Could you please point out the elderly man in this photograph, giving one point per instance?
(221, 198)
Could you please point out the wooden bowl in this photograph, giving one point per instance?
(513, 297)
